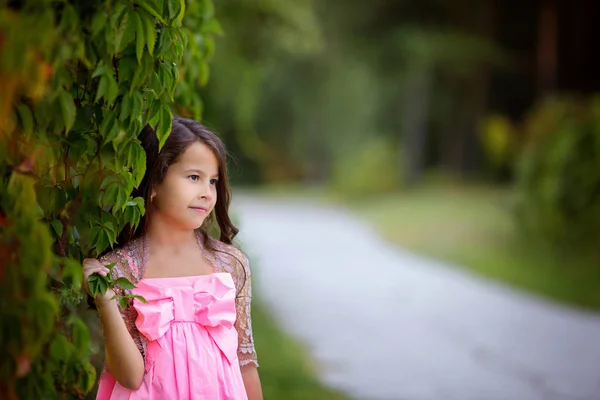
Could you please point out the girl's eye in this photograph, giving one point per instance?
(214, 181)
(194, 177)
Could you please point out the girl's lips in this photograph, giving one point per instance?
(199, 209)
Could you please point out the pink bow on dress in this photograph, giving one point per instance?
(209, 302)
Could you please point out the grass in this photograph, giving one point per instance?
(285, 371)
(472, 227)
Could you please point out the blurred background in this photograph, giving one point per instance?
(467, 132)
(462, 129)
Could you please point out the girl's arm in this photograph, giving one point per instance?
(252, 382)
(243, 324)
(123, 358)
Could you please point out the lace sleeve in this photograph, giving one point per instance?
(243, 323)
(122, 269)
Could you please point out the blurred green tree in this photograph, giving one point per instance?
(302, 87)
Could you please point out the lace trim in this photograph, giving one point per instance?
(246, 362)
(131, 264)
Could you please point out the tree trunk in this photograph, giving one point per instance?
(462, 152)
(547, 56)
(415, 118)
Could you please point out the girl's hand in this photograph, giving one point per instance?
(90, 267)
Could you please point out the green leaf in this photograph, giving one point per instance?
(165, 76)
(140, 38)
(130, 216)
(156, 12)
(87, 378)
(122, 197)
(109, 227)
(80, 336)
(67, 106)
(126, 105)
(179, 45)
(164, 41)
(122, 35)
(108, 157)
(110, 179)
(93, 236)
(110, 266)
(140, 298)
(138, 103)
(209, 47)
(98, 23)
(72, 272)
(57, 228)
(137, 161)
(109, 199)
(140, 168)
(140, 202)
(134, 210)
(128, 33)
(93, 284)
(174, 6)
(128, 65)
(150, 30)
(102, 284)
(100, 70)
(105, 240)
(107, 88)
(142, 73)
(181, 14)
(123, 302)
(109, 128)
(61, 349)
(124, 283)
(165, 123)
(154, 112)
(175, 72)
(43, 309)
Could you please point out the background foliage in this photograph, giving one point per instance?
(559, 176)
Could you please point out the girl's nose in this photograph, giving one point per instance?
(205, 192)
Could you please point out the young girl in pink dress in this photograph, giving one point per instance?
(193, 337)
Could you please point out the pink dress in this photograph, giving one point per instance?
(189, 339)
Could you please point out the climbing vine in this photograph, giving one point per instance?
(78, 81)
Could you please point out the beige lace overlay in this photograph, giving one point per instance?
(129, 264)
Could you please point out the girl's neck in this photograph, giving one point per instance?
(165, 236)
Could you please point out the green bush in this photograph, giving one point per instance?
(79, 80)
(558, 175)
(369, 168)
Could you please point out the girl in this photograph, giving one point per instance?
(193, 337)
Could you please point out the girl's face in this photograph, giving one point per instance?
(188, 193)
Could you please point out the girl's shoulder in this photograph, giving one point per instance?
(230, 258)
(126, 260)
(232, 249)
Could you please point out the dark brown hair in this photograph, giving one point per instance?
(185, 132)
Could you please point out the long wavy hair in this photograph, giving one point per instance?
(185, 132)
